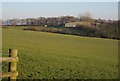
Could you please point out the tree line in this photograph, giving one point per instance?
(51, 21)
(105, 30)
(98, 27)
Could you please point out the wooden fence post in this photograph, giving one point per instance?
(12, 65)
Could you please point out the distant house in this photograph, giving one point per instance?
(70, 25)
(81, 23)
(74, 24)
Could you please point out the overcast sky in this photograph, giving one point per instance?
(105, 10)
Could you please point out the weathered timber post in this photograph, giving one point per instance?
(13, 65)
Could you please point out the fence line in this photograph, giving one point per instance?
(12, 67)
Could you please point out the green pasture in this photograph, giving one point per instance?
(57, 56)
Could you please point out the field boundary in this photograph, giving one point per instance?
(12, 66)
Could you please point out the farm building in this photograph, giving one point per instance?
(70, 25)
(84, 23)
(74, 24)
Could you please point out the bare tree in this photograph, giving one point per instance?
(85, 16)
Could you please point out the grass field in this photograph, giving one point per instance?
(56, 56)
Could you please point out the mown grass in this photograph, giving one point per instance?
(56, 56)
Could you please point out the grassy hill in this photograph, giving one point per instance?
(56, 56)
